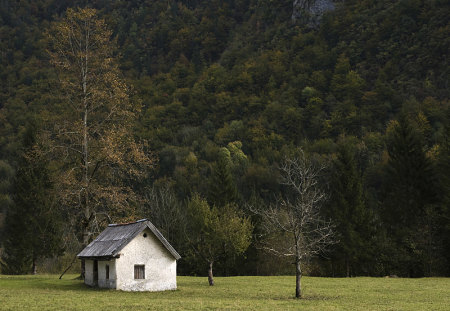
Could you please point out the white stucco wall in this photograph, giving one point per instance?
(102, 281)
(160, 266)
(89, 272)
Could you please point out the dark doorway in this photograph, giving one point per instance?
(95, 272)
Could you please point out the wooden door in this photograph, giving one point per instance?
(95, 272)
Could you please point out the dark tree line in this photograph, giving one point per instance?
(227, 89)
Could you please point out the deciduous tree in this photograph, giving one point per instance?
(214, 232)
(97, 157)
(294, 226)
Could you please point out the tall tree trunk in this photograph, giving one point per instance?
(332, 268)
(87, 213)
(210, 274)
(347, 264)
(86, 236)
(34, 267)
(70, 266)
(298, 279)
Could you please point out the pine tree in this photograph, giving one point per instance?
(6, 176)
(410, 189)
(33, 228)
(16, 258)
(410, 173)
(347, 208)
(444, 179)
(222, 188)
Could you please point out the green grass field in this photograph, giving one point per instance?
(47, 292)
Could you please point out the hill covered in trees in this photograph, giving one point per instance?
(227, 89)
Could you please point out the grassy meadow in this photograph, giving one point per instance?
(47, 292)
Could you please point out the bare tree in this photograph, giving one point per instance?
(293, 226)
(166, 211)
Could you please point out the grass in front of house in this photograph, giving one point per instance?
(47, 292)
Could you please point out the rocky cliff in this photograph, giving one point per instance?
(310, 12)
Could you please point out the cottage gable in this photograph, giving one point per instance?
(131, 257)
(116, 236)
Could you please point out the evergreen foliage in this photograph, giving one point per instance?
(207, 76)
(410, 177)
(443, 169)
(33, 225)
(347, 208)
(222, 189)
(411, 186)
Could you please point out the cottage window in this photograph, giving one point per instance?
(139, 271)
(107, 272)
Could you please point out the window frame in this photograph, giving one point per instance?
(139, 272)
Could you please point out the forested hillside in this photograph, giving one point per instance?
(227, 89)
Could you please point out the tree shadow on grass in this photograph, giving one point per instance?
(315, 297)
(309, 297)
(39, 282)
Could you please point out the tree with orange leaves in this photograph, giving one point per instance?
(96, 157)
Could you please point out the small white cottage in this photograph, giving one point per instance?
(131, 257)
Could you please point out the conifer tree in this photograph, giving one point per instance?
(222, 188)
(444, 178)
(347, 208)
(410, 189)
(410, 173)
(6, 176)
(33, 227)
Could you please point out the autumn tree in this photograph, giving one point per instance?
(294, 226)
(96, 155)
(215, 232)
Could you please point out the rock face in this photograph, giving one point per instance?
(310, 12)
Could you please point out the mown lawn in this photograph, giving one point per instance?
(47, 292)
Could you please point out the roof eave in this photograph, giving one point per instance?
(99, 257)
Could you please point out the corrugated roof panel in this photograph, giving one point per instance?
(111, 240)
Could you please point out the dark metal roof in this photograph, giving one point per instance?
(116, 236)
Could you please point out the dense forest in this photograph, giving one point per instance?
(222, 93)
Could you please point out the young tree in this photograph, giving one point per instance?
(33, 225)
(294, 226)
(97, 157)
(213, 231)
